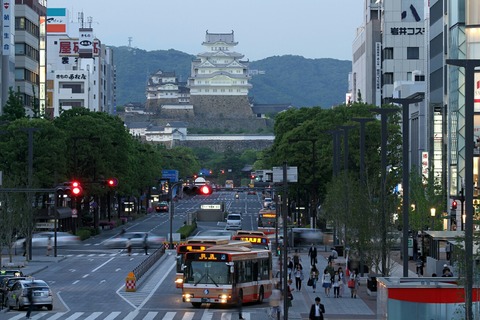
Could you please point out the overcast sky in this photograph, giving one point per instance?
(263, 28)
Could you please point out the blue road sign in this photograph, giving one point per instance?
(172, 175)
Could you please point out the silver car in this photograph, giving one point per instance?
(17, 294)
(136, 239)
(41, 239)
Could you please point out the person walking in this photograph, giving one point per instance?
(298, 278)
(343, 281)
(316, 310)
(336, 285)
(327, 282)
(312, 253)
(296, 260)
(314, 276)
(353, 284)
(289, 293)
(49, 245)
(128, 245)
(30, 302)
(145, 244)
(290, 267)
(275, 301)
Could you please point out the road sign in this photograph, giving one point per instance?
(74, 213)
(292, 174)
(172, 175)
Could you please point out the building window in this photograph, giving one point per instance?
(413, 53)
(388, 78)
(388, 54)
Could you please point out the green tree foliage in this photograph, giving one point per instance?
(13, 108)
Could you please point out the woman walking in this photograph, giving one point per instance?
(343, 281)
(336, 285)
(353, 284)
(327, 282)
(298, 278)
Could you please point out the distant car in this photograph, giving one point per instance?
(267, 202)
(136, 238)
(40, 239)
(251, 192)
(17, 295)
(162, 207)
(9, 273)
(234, 221)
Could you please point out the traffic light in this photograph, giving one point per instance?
(70, 189)
(112, 182)
(454, 205)
(205, 190)
(76, 189)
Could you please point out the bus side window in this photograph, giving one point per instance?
(255, 272)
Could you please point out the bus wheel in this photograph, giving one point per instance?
(261, 295)
(196, 304)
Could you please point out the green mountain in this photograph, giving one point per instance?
(281, 79)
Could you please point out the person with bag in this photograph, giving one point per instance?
(336, 285)
(316, 310)
(353, 284)
(298, 278)
(313, 278)
(289, 292)
(312, 253)
(327, 282)
(343, 281)
(290, 267)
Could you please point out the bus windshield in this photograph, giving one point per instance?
(201, 272)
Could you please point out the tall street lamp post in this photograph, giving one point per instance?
(432, 214)
(171, 210)
(405, 102)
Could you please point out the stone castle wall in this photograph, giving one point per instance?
(222, 107)
(225, 145)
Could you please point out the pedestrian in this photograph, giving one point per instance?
(333, 256)
(312, 253)
(314, 276)
(145, 243)
(296, 260)
(446, 272)
(289, 267)
(24, 246)
(49, 245)
(336, 285)
(298, 278)
(128, 244)
(316, 310)
(30, 302)
(240, 305)
(275, 301)
(343, 281)
(122, 232)
(326, 282)
(289, 293)
(353, 284)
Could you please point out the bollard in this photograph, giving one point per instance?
(130, 282)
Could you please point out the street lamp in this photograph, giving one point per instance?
(432, 214)
(171, 210)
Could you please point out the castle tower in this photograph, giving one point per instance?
(219, 80)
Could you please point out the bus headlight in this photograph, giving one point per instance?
(179, 281)
(187, 297)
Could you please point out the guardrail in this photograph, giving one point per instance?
(146, 264)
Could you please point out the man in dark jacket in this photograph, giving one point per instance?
(316, 310)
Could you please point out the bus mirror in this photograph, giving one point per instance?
(232, 269)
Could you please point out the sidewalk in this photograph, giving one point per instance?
(363, 307)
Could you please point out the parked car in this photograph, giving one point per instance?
(17, 295)
(136, 238)
(40, 239)
(234, 221)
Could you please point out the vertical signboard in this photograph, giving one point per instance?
(7, 28)
(476, 95)
(378, 73)
(85, 43)
(425, 166)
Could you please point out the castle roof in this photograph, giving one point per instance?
(270, 108)
(177, 124)
(211, 38)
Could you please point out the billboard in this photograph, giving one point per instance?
(56, 20)
(85, 43)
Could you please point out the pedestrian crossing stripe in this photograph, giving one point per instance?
(136, 315)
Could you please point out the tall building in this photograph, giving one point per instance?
(81, 70)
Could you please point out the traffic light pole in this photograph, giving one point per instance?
(171, 210)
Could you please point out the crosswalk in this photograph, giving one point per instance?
(136, 315)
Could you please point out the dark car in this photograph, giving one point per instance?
(162, 207)
(6, 285)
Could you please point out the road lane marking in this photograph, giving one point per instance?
(76, 281)
(57, 316)
(74, 316)
(169, 316)
(131, 315)
(150, 316)
(102, 264)
(188, 316)
(85, 275)
(112, 315)
(93, 316)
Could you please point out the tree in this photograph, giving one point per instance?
(13, 108)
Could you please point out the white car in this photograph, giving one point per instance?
(267, 202)
(234, 221)
(136, 239)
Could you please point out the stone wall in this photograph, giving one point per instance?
(224, 145)
(222, 107)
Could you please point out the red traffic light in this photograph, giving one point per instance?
(112, 182)
(205, 190)
(76, 188)
(454, 205)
